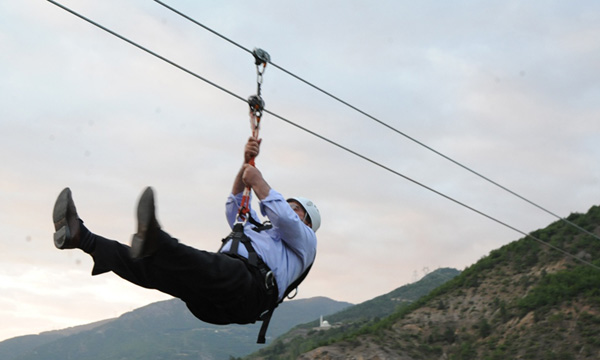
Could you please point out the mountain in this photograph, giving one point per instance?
(530, 299)
(19, 345)
(163, 330)
(306, 336)
(387, 304)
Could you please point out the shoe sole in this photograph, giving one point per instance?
(145, 215)
(59, 216)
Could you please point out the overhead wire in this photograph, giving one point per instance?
(231, 93)
(386, 125)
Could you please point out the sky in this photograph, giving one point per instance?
(509, 89)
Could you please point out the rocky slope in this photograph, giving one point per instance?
(525, 300)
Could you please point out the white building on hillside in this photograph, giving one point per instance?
(323, 324)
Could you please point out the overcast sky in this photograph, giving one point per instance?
(510, 89)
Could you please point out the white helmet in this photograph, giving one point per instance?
(311, 210)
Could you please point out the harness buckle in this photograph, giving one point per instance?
(270, 280)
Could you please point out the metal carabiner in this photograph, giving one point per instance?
(261, 57)
(270, 280)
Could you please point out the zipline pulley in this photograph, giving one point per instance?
(261, 56)
(257, 105)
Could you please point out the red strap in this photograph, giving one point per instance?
(245, 204)
(256, 104)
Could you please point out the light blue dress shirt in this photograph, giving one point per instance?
(288, 248)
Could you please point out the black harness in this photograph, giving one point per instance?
(237, 236)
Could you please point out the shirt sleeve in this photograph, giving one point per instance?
(300, 238)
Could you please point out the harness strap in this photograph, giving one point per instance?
(236, 236)
(258, 227)
(266, 317)
(262, 333)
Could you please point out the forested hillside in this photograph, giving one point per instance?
(526, 300)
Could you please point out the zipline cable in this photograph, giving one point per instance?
(325, 138)
(384, 124)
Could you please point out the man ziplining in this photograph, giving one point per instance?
(237, 284)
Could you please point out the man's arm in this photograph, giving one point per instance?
(248, 175)
(251, 151)
(292, 231)
(254, 179)
(238, 183)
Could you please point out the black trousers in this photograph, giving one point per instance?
(217, 288)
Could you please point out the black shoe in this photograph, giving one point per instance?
(66, 221)
(146, 241)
